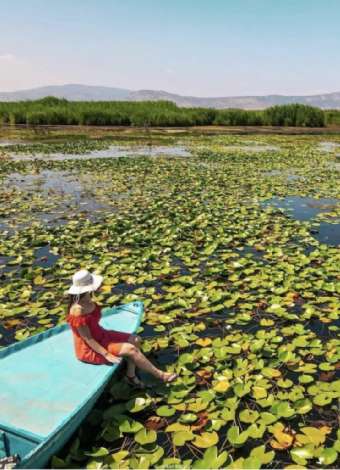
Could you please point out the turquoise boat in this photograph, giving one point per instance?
(46, 392)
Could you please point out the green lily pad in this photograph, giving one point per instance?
(328, 456)
(188, 418)
(236, 437)
(323, 399)
(100, 452)
(303, 406)
(248, 416)
(260, 453)
(211, 459)
(165, 411)
(300, 455)
(283, 409)
(179, 438)
(145, 436)
(206, 439)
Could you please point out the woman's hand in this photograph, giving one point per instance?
(113, 359)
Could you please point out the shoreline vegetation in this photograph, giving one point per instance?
(55, 111)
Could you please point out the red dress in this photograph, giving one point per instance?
(110, 340)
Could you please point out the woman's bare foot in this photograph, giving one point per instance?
(168, 377)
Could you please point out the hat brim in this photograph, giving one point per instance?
(77, 290)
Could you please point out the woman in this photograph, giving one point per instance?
(96, 345)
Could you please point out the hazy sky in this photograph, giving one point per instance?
(192, 47)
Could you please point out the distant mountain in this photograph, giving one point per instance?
(326, 101)
(72, 92)
(76, 92)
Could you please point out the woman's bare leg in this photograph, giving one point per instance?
(132, 353)
(131, 366)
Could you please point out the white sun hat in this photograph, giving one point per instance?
(83, 281)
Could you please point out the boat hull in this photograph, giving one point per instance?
(46, 392)
(47, 449)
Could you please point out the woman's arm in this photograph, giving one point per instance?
(87, 337)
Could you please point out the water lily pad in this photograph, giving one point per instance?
(100, 452)
(328, 456)
(145, 436)
(315, 436)
(242, 389)
(303, 406)
(165, 411)
(300, 455)
(283, 409)
(323, 399)
(248, 416)
(270, 372)
(188, 418)
(221, 386)
(211, 459)
(236, 437)
(260, 453)
(282, 438)
(206, 439)
(284, 383)
(179, 438)
(305, 379)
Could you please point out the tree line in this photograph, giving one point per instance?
(55, 111)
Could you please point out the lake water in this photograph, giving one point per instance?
(66, 194)
(284, 173)
(306, 208)
(113, 151)
(329, 146)
(303, 208)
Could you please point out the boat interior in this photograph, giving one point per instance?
(16, 443)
